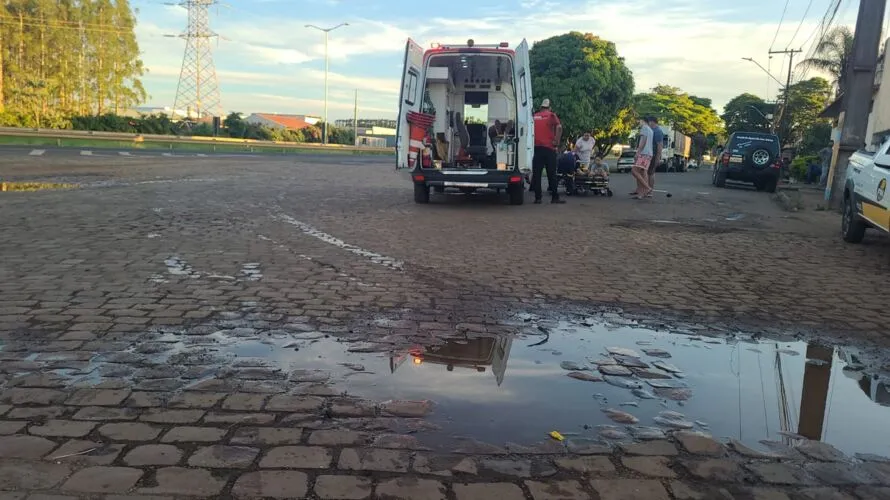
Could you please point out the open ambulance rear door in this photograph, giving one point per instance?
(525, 123)
(410, 99)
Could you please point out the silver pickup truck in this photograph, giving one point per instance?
(865, 188)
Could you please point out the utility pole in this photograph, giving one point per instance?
(858, 94)
(198, 87)
(355, 121)
(781, 114)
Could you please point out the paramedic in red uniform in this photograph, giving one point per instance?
(548, 134)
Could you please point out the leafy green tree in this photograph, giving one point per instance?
(747, 112)
(676, 108)
(806, 99)
(587, 83)
(833, 55)
(618, 132)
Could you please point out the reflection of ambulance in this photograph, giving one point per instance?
(474, 354)
(452, 97)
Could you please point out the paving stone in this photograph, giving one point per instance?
(130, 431)
(32, 396)
(505, 467)
(488, 491)
(582, 446)
(629, 489)
(193, 435)
(30, 476)
(879, 471)
(195, 399)
(141, 399)
(343, 488)
(239, 418)
(97, 397)
(410, 488)
(24, 446)
(442, 465)
(821, 494)
(245, 402)
(699, 444)
(839, 474)
(86, 452)
(651, 448)
(153, 454)
(4, 409)
(717, 469)
(650, 466)
(8, 427)
(406, 408)
(557, 490)
(821, 451)
(271, 484)
(297, 404)
(872, 493)
(102, 413)
(223, 457)
(41, 413)
(337, 438)
(103, 480)
(41, 496)
(762, 494)
(162, 416)
(268, 436)
(587, 465)
(62, 428)
(403, 442)
(374, 459)
(352, 408)
(297, 457)
(186, 482)
(683, 491)
(779, 473)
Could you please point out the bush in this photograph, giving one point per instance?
(800, 165)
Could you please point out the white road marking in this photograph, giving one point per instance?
(124, 153)
(166, 154)
(201, 155)
(86, 153)
(327, 238)
(37, 152)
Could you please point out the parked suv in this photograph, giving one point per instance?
(750, 157)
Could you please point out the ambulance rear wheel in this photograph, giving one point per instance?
(517, 194)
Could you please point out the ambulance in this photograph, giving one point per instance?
(466, 119)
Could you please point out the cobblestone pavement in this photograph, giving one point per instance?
(110, 294)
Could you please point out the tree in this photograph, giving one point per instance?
(618, 132)
(747, 112)
(832, 55)
(806, 99)
(676, 108)
(586, 81)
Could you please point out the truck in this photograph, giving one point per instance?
(865, 202)
(466, 118)
(676, 150)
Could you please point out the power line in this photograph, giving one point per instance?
(828, 20)
(779, 27)
(802, 19)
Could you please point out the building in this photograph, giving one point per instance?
(366, 123)
(277, 121)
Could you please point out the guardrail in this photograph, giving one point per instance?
(171, 140)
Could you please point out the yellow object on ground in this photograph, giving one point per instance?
(557, 436)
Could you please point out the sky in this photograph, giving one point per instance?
(267, 61)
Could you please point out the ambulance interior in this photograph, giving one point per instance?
(469, 94)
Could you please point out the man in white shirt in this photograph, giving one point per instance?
(584, 149)
(640, 170)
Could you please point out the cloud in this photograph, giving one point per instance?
(676, 43)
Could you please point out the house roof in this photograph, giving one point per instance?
(292, 122)
(834, 109)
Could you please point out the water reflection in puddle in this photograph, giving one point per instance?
(589, 380)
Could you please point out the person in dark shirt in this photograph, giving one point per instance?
(567, 165)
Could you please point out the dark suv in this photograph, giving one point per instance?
(750, 157)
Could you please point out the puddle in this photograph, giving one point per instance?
(600, 379)
(34, 186)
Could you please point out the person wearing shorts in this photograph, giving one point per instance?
(657, 146)
(642, 160)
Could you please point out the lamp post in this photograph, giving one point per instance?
(749, 59)
(324, 139)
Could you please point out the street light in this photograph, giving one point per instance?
(768, 117)
(764, 70)
(324, 139)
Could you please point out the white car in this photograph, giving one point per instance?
(626, 160)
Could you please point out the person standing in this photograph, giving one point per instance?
(657, 148)
(825, 155)
(584, 149)
(548, 134)
(642, 160)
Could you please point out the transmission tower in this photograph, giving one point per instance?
(198, 89)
